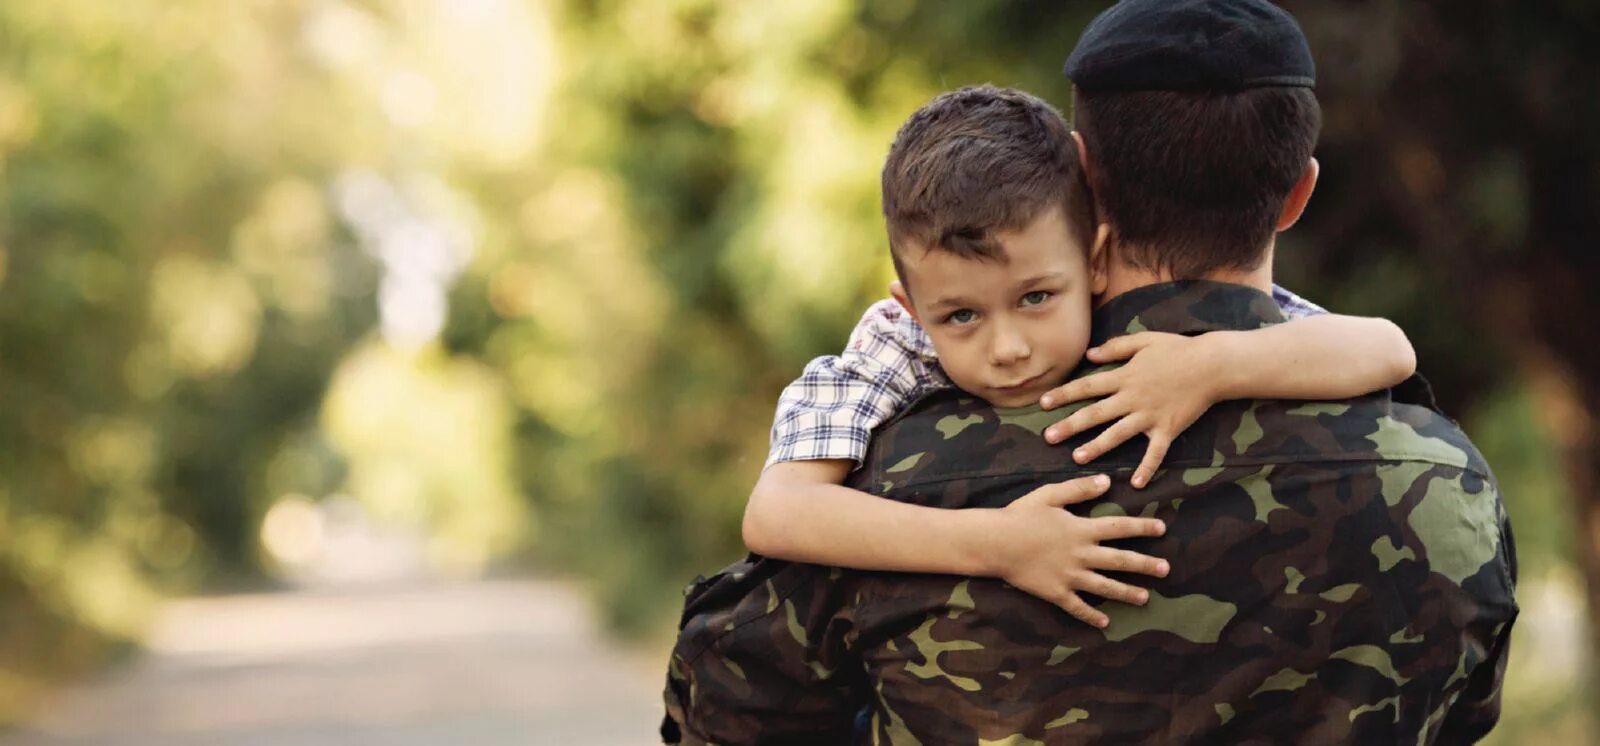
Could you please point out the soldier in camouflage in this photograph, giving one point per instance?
(1342, 572)
(1346, 576)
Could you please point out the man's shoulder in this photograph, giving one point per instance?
(1368, 428)
(951, 436)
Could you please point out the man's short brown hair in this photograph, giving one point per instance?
(977, 161)
(1194, 182)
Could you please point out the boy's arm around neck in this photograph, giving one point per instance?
(1170, 380)
(1326, 356)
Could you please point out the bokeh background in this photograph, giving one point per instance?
(305, 296)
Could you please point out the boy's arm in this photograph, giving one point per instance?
(1316, 357)
(1170, 380)
(799, 511)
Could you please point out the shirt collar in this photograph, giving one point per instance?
(1184, 307)
(916, 338)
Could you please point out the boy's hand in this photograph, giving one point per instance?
(1048, 552)
(1167, 384)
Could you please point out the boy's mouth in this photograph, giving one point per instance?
(1021, 385)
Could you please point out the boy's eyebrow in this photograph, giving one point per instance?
(952, 302)
(956, 301)
(1042, 278)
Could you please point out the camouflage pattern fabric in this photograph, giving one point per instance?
(1342, 572)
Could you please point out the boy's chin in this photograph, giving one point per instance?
(1005, 400)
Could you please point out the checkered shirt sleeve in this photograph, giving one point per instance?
(1294, 306)
(831, 410)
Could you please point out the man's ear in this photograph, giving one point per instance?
(1100, 260)
(1083, 158)
(1299, 195)
(898, 292)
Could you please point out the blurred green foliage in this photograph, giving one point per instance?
(170, 308)
(670, 206)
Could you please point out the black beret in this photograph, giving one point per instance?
(1191, 45)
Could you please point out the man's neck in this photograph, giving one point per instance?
(1120, 277)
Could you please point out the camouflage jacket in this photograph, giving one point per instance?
(1342, 572)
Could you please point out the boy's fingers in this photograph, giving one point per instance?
(1083, 419)
(1120, 348)
(1115, 590)
(1062, 494)
(1072, 604)
(1113, 436)
(1152, 460)
(1087, 387)
(1122, 560)
(1122, 527)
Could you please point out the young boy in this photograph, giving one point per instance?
(992, 234)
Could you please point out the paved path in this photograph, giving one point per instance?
(497, 662)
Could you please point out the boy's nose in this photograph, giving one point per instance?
(1008, 347)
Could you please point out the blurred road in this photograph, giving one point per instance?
(493, 662)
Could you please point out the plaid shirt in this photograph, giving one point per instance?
(830, 411)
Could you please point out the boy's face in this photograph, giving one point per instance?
(1010, 330)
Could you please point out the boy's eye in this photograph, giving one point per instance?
(963, 316)
(1035, 298)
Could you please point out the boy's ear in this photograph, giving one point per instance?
(1100, 260)
(898, 292)
(1299, 195)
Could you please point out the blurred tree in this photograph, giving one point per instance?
(171, 305)
(1464, 160)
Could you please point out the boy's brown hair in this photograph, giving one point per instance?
(1193, 182)
(977, 161)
